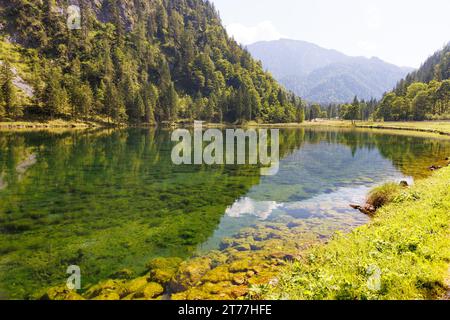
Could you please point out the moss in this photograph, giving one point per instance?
(217, 275)
(190, 273)
(123, 274)
(108, 296)
(152, 290)
(106, 289)
(136, 285)
(162, 270)
(61, 293)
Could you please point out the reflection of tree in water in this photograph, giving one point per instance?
(112, 198)
(412, 155)
(104, 201)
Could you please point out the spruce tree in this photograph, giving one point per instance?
(9, 92)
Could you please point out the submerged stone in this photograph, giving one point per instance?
(152, 290)
(190, 273)
(61, 293)
(103, 289)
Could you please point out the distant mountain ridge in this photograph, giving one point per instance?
(325, 75)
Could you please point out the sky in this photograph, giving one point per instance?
(402, 32)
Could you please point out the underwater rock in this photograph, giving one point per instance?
(61, 293)
(190, 273)
(153, 290)
(217, 258)
(243, 247)
(136, 285)
(226, 243)
(292, 225)
(124, 274)
(108, 296)
(162, 270)
(241, 266)
(107, 287)
(217, 275)
(164, 263)
(238, 280)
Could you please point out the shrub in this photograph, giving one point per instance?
(383, 195)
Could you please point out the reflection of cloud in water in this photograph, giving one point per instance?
(328, 204)
(248, 206)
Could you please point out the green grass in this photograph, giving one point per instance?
(383, 195)
(442, 127)
(404, 253)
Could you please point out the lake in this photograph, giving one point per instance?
(111, 199)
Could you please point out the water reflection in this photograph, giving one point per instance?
(112, 199)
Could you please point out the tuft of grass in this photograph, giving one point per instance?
(383, 195)
(403, 254)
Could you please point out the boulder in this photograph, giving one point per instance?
(190, 273)
(217, 275)
(105, 288)
(125, 274)
(162, 270)
(152, 290)
(61, 293)
(136, 285)
(108, 296)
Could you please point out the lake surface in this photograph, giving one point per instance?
(113, 199)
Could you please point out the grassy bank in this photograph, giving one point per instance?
(404, 253)
(52, 124)
(440, 127)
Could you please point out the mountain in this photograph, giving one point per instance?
(436, 67)
(423, 94)
(323, 75)
(138, 61)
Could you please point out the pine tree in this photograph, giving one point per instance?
(2, 107)
(114, 104)
(150, 100)
(9, 92)
(55, 97)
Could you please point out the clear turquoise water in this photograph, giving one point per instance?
(109, 200)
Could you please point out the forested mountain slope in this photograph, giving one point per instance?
(138, 61)
(423, 94)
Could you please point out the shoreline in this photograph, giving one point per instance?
(232, 279)
(257, 270)
(405, 251)
(441, 128)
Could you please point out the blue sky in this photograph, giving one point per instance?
(403, 32)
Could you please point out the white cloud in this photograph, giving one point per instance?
(251, 34)
(247, 206)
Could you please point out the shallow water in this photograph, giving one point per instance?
(110, 200)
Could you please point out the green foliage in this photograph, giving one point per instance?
(423, 95)
(177, 48)
(8, 98)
